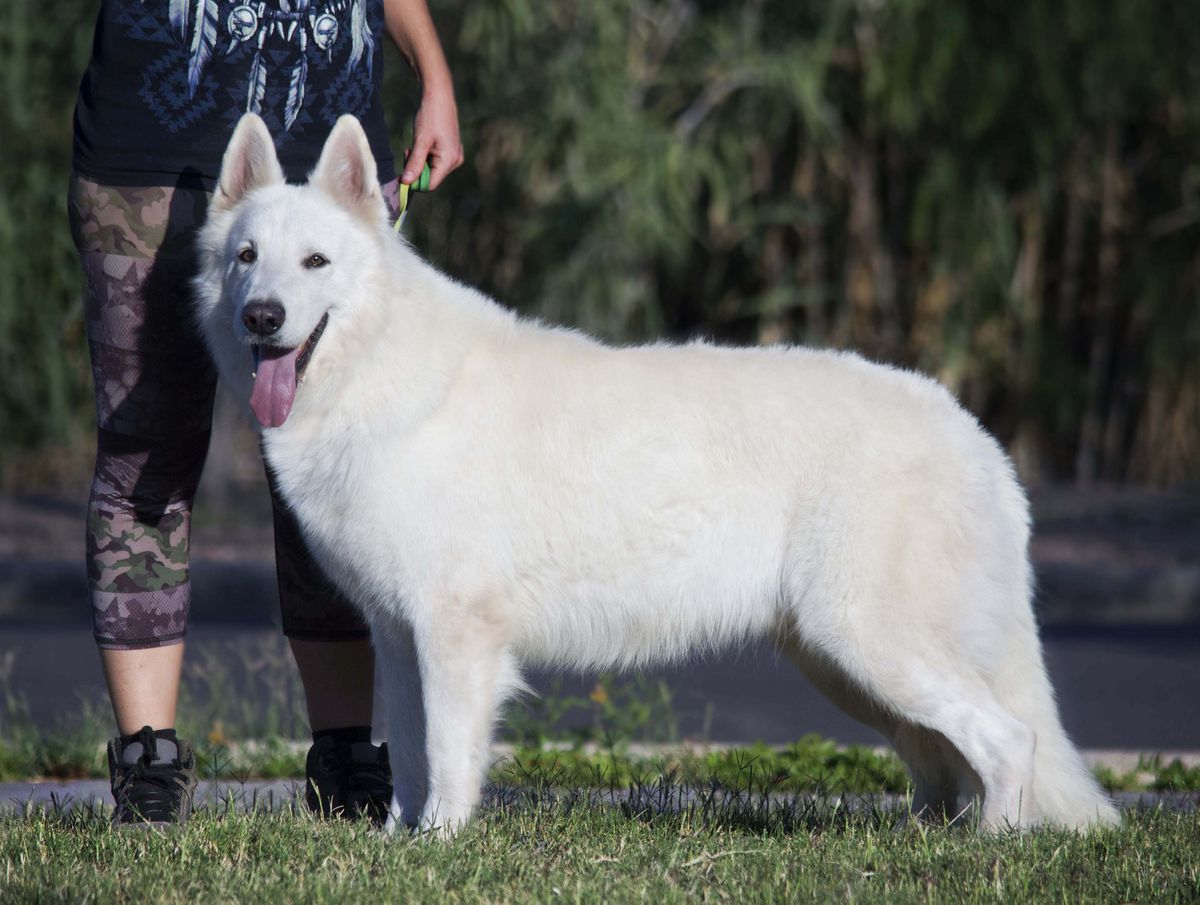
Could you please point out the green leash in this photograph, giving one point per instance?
(420, 184)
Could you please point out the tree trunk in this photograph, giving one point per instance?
(810, 263)
(1091, 431)
(870, 271)
(1025, 295)
(1078, 196)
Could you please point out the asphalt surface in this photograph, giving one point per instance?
(1118, 593)
(1118, 687)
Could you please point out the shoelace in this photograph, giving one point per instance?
(150, 789)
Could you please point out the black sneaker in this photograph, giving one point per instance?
(348, 779)
(153, 779)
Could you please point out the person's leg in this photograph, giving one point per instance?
(329, 638)
(143, 685)
(139, 580)
(154, 388)
(339, 681)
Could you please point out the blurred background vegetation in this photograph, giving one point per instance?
(1004, 194)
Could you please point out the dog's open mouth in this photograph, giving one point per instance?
(277, 373)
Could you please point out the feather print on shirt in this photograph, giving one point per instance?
(305, 26)
(177, 12)
(295, 98)
(204, 36)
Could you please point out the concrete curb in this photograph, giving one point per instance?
(279, 795)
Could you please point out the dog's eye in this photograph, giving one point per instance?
(247, 255)
(313, 261)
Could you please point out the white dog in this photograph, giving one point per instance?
(495, 492)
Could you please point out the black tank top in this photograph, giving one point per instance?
(168, 80)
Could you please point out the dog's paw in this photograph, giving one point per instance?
(442, 819)
(398, 826)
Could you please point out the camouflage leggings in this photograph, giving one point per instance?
(154, 389)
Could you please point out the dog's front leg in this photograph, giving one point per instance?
(463, 664)
(400, 677)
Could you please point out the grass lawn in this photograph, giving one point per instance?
(557, 847)
(559, 851)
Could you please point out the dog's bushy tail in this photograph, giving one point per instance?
(1065, 791)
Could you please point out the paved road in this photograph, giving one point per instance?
(1107, 559)
(1123, 687)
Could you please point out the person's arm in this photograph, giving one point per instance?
(435, 132)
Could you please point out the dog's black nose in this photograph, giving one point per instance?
(263, 317)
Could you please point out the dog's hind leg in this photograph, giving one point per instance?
(936, 768)
(931, 760)
(1000, 750)
(997, 746)
(900, 692)
(933, 763)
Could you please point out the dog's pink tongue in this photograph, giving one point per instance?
(274, 386)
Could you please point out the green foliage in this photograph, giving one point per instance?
(813, 763)
(1176, 777)
(1153, 772)
(614, 713)
(66, 749)
(575, 768)
(242, 688)
(44, 396)
(1002, 194)
(263, 758)
(62, 751)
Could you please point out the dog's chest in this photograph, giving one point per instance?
(327, 482)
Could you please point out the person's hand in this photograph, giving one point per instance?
(435, 139)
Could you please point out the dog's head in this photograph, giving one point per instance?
(281, 267)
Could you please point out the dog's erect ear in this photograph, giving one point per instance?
(249, 163)
(346, 170)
